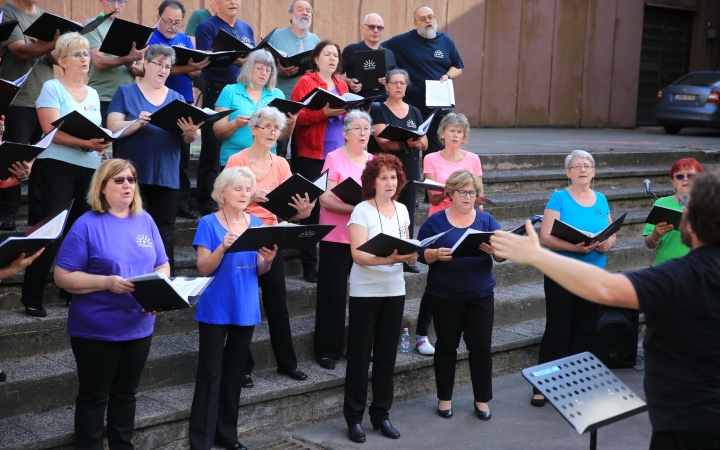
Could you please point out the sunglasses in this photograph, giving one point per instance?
(121, 180)
(681, 176)
(375, 27)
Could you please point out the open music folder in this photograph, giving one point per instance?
(122, 34)
(400, 134)
(45, 27)
(157, 292)
(439, 95)
(9, 89)
(316, 100)
(297, 184)
(168, 116)
(79, 126)
(286, 106)
(12, 152)
(662, 214)
(385, 245)
(6, 28)
(183, 55)
(562, 230)
(301, 60)
(40, 236)
(225, 42)
(285, 235)
(349, 191)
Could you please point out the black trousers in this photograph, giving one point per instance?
(21, 126)
(570, 324)
(374, 329)
(473, 319)
(209, 161)
(161, 203)
(108, 374)
(685, 440)
(184, 169)
(333, 271)
(407, 197)
(425, 317)
(216, 401)
(274, 296)
(310, 169)
(58, 183)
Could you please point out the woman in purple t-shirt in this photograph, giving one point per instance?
(109, 331)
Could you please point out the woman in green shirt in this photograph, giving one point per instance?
(663, 237)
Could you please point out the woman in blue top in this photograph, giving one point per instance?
(227, 312)
(570, 320)
(255, 88)
(63, 171)
(154, 151)
(460, 292)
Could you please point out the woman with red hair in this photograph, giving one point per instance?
(663, 237)
(377, 297)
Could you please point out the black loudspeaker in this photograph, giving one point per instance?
(616, 337)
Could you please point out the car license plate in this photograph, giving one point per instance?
(685, 97)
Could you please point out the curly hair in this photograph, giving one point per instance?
(372, 171)
(703, 209)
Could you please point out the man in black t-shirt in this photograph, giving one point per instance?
(372, 30)
(681, 302)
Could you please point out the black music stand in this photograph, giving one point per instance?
(585, 392)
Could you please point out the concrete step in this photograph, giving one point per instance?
(275, 402)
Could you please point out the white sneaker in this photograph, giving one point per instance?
(425, 348)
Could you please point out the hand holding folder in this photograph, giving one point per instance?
(167, 117)
(285, 236)
(279, 199)
(156, 292)
(562, 230)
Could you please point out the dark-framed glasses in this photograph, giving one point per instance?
(682, 176)
(171, 23)
(464, 193)
(121, 180)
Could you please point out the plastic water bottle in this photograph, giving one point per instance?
(405, 341)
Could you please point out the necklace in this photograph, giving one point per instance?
(236, 223)
(397, 107)
(401, 230)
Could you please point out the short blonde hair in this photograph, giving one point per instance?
(460, 178)
(457, 120)
(258, 57)
(69, 42)
(229, 177)
(109, 169)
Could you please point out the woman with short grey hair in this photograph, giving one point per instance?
(255, 89)
(154, 151)
(571, 320)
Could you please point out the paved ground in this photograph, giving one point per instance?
(514, 425)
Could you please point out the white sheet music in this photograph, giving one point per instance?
(441, 95)
(53, 228)
(321, 181)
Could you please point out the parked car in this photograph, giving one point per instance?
(691, 101)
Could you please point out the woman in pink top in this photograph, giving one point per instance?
(266, 125)
(454, 131)
(335, 259)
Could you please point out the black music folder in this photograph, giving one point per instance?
(183, 55)
(40, 236)
(297, 184)
(226, 42)
(303, 237)
(79, 126)
(428, 185)
(253, 239)
(9, 90)
(400, 134)
(167, 116)
(122, 34)
(286, 106)
(385, 245)
(349, 191)
(156, 292)
(469, 243)
(47, 24)
(662, 214)
(369, 67)
(568, 233)
(11, 152)
(6, 28)
(301, 60)
(285, 236)
(316, 100)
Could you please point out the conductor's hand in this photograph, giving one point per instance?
(260, 196)
(21, 169)
(228, 240)
(118, 285)
(268, 254)
(333, 112)
(395, 258)
(22, 262)
(303, 205)
(521, 249)
(444, 254)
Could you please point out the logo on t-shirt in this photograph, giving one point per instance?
(439, 54)
(246, 40)
(91, 108)
(599, 212)
(369, 65)
(143, 241)
(411, 124)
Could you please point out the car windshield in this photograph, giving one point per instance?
(700, 79)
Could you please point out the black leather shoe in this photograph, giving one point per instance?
(7, 225)
(327, 363)
(482, 415)
(310, 275)
(356, 433)
(237, 446)
(537, 402)
(445, 414)
(40, 312)
(185, 213)
(3, 377)
(412, 269)
(247, 382)
(294, 374)
(386, 429)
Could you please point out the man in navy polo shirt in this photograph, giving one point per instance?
(427, 55)
(215, 80)
(171, 14)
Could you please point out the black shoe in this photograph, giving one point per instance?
(445, 414)
(386, 429)
(412, 269)
(7, 225)
(310, 274)
(356, 433)
(247, 382)
(294, 374)
(482, 415)
(185, 213)
(40, 312)
(3, 377)
(237, 446)
(327, 363)
(538, 402)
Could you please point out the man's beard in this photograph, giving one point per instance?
(429, 33)
(302, 25)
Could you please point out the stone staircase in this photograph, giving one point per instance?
(36, 403)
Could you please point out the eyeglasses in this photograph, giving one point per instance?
(269, 129)
(260, 68)
(578, 167)
(366, 130)
(375, 27)
(464, 193)
(162, 66)
(397, 83)
(78, 55)
(683, 199)
(119, 2)
(121, 180)
(681, 176)
(170, 23)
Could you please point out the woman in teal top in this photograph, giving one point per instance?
(663, 237)
(571, 320)
(255, 88)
